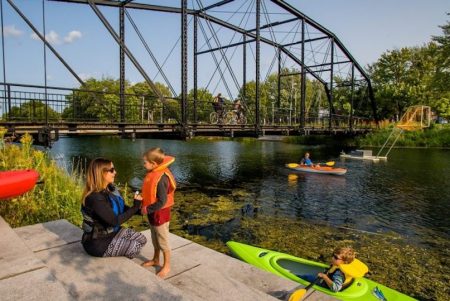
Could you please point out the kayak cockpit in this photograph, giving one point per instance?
(294, 268)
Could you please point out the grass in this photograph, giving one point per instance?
(58, 197)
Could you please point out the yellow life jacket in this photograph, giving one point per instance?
(355, 269)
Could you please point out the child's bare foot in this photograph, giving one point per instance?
(163, 272)
(150, 263)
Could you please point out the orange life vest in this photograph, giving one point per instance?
(150, 184)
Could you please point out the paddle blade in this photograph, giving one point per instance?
(330, 163)
(292, 165)
(297, 295)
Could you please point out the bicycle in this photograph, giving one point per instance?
(218, 115)
(233, 117)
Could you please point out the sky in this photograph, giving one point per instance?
(367, 28)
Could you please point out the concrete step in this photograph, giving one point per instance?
(57, 244)
(197, 273)
(194, 274)
(23, 276)
(215, 276)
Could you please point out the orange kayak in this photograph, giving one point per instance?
(318, 169)
(16, 182)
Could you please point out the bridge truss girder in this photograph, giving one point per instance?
(251, 35)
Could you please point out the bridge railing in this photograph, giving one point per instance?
(29, 103)
(38, 104)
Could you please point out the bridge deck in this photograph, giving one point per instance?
(54, 130)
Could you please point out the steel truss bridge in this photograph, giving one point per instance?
(315, 52)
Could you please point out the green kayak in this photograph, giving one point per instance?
(289, 267)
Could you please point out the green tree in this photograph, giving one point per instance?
(441, 81)
(204, 106)
(415, 75)
(403, 78)
(99, 100)
(148, 104)
(32, 110)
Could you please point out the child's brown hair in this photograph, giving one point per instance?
(346, 253)
(154, 154)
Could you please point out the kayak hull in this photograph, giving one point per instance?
(16, 182)
(320, 170)
(291, 267)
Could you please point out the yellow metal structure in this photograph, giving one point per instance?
(415, 118)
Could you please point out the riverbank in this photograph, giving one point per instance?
(57, 197)
(437, 136)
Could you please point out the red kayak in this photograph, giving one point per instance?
(16, 182)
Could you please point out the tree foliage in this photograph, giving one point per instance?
(32, 110)
(414, 75)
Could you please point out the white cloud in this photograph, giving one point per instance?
(72, 36)
(12, 31)
(52, 37)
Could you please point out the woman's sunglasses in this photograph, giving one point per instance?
(111, 170)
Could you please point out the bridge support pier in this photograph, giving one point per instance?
(47, 135)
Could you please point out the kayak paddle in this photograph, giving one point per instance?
(293, 165)
(298, 294)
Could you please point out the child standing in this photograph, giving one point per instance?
(157, 197)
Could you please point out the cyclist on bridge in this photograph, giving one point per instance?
(237, 107)
(219, 104)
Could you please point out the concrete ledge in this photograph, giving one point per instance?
(113, 278)
(49, 235)
(15, 257)
(197, 273)
(215, 276)
(35, 285)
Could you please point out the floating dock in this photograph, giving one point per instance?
(362, 155)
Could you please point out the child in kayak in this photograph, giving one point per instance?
(307, 161)
(157, 197)
(334, 278)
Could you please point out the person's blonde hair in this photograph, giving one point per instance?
(155, 154)
(346, 253)
(95, 181)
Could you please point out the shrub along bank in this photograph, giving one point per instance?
(58, 197)
(438, 135)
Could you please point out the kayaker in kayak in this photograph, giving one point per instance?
(307, 161)
(335, 278)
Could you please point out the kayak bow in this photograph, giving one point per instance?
(16, 182)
